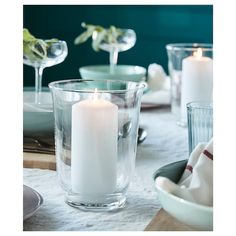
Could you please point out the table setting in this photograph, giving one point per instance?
(120, 147)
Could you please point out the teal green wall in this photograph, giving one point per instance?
(155, 26)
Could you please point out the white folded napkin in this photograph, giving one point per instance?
(158, 86)
(196, 184)
(157, 78)
(157, 97)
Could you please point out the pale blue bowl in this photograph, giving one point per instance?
(121, 72)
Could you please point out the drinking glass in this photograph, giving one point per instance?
(176, 53)
(96, 130)
(200, 123)
(123, 42)
(56, 53)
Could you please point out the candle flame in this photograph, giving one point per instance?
(198, 53)
(95, 95)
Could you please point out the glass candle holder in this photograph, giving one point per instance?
(191, 71)
(96, 128)
(200, 123)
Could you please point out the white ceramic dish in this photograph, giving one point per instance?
(45, 101)
(121, 72)
(32, 201)
(38, 119)
(198, 216)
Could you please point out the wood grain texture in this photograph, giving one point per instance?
(165, 222)
(38, 160)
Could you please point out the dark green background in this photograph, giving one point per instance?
(155, 26)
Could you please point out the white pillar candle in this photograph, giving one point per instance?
(94, 147)
(197, 80)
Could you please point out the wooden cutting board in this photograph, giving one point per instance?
(39, 160)
(162, 221)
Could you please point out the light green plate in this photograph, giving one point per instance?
(121, 72)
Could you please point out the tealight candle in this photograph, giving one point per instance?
(94, 146)
(197, 80)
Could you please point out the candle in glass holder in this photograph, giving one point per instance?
(197, 80)
(94, 146)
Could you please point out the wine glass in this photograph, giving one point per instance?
(125, 40)
(56, 53)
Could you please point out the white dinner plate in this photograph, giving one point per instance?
(32, 201)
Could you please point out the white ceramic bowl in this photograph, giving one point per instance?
(198, 216)
(121, 72)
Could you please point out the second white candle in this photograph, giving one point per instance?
(197, 81)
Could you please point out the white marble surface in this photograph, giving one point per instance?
(166, 143)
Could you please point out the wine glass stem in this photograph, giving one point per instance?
(38, 79)
(38, 83)
(113, 59)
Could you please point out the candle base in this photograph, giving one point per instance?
(109, 202)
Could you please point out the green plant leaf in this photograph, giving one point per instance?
(84, 36)
(27, 36)
(34, 48)
(99, 37)
(98, 34)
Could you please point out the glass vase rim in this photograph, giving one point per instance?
(138, 85)
(189, 46)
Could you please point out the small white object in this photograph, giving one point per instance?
(156, 77)
(197, 80)
(94, 147)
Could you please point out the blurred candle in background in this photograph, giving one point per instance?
(197, 80)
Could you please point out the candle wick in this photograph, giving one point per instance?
(198, 53)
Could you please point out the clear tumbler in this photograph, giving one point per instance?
(200, 123)
(96, 128)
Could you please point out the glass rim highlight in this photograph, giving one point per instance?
(200, 105)
(138, 86)
(189, 46)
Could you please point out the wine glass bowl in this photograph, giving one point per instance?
(115, 41)
(124, 41)
(56, 53)
(44, 53)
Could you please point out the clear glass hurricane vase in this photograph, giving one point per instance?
(177, 54)
(96, 130)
